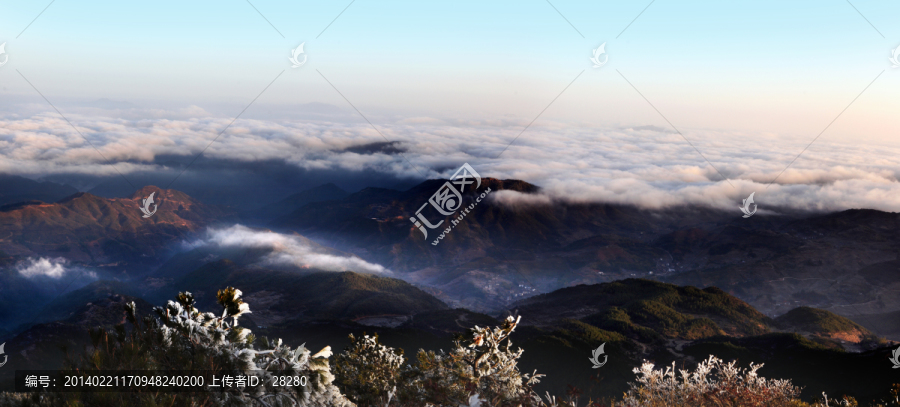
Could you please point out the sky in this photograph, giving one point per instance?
(748, 85)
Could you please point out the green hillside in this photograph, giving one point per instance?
(637, 319)
(663, 323)
(290, 295)
(649, 310)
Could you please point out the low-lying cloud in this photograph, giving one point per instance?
(54, 268)
(286, 250)
(643, 165)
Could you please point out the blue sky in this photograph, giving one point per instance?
(761, 66)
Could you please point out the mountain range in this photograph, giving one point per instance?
(804, 293)
(846, 262)
(108, 232)
(503, 251)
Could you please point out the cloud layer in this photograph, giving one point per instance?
(286, 250)
(649, 166)
(54, 268)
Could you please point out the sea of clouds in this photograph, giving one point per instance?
(648, 166)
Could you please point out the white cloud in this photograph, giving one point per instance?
(48, 267)
(288, 250)
(54, 268)
(646, 165)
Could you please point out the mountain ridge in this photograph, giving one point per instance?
(90, 229)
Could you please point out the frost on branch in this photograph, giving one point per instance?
(368, 372)
(181, 337)
(485, 365)
(480, 370)
(713, 383)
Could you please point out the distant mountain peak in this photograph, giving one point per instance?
(114, 226)
(77, 195)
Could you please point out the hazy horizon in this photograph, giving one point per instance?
(749, 85)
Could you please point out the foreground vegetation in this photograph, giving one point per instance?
(480, 370)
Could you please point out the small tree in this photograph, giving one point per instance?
(368, 372)
(183, 338)
(485, 365)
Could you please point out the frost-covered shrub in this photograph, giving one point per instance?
(485, 365)
(481, 370)
(183, 338)
(713, 383)
(368, 372)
